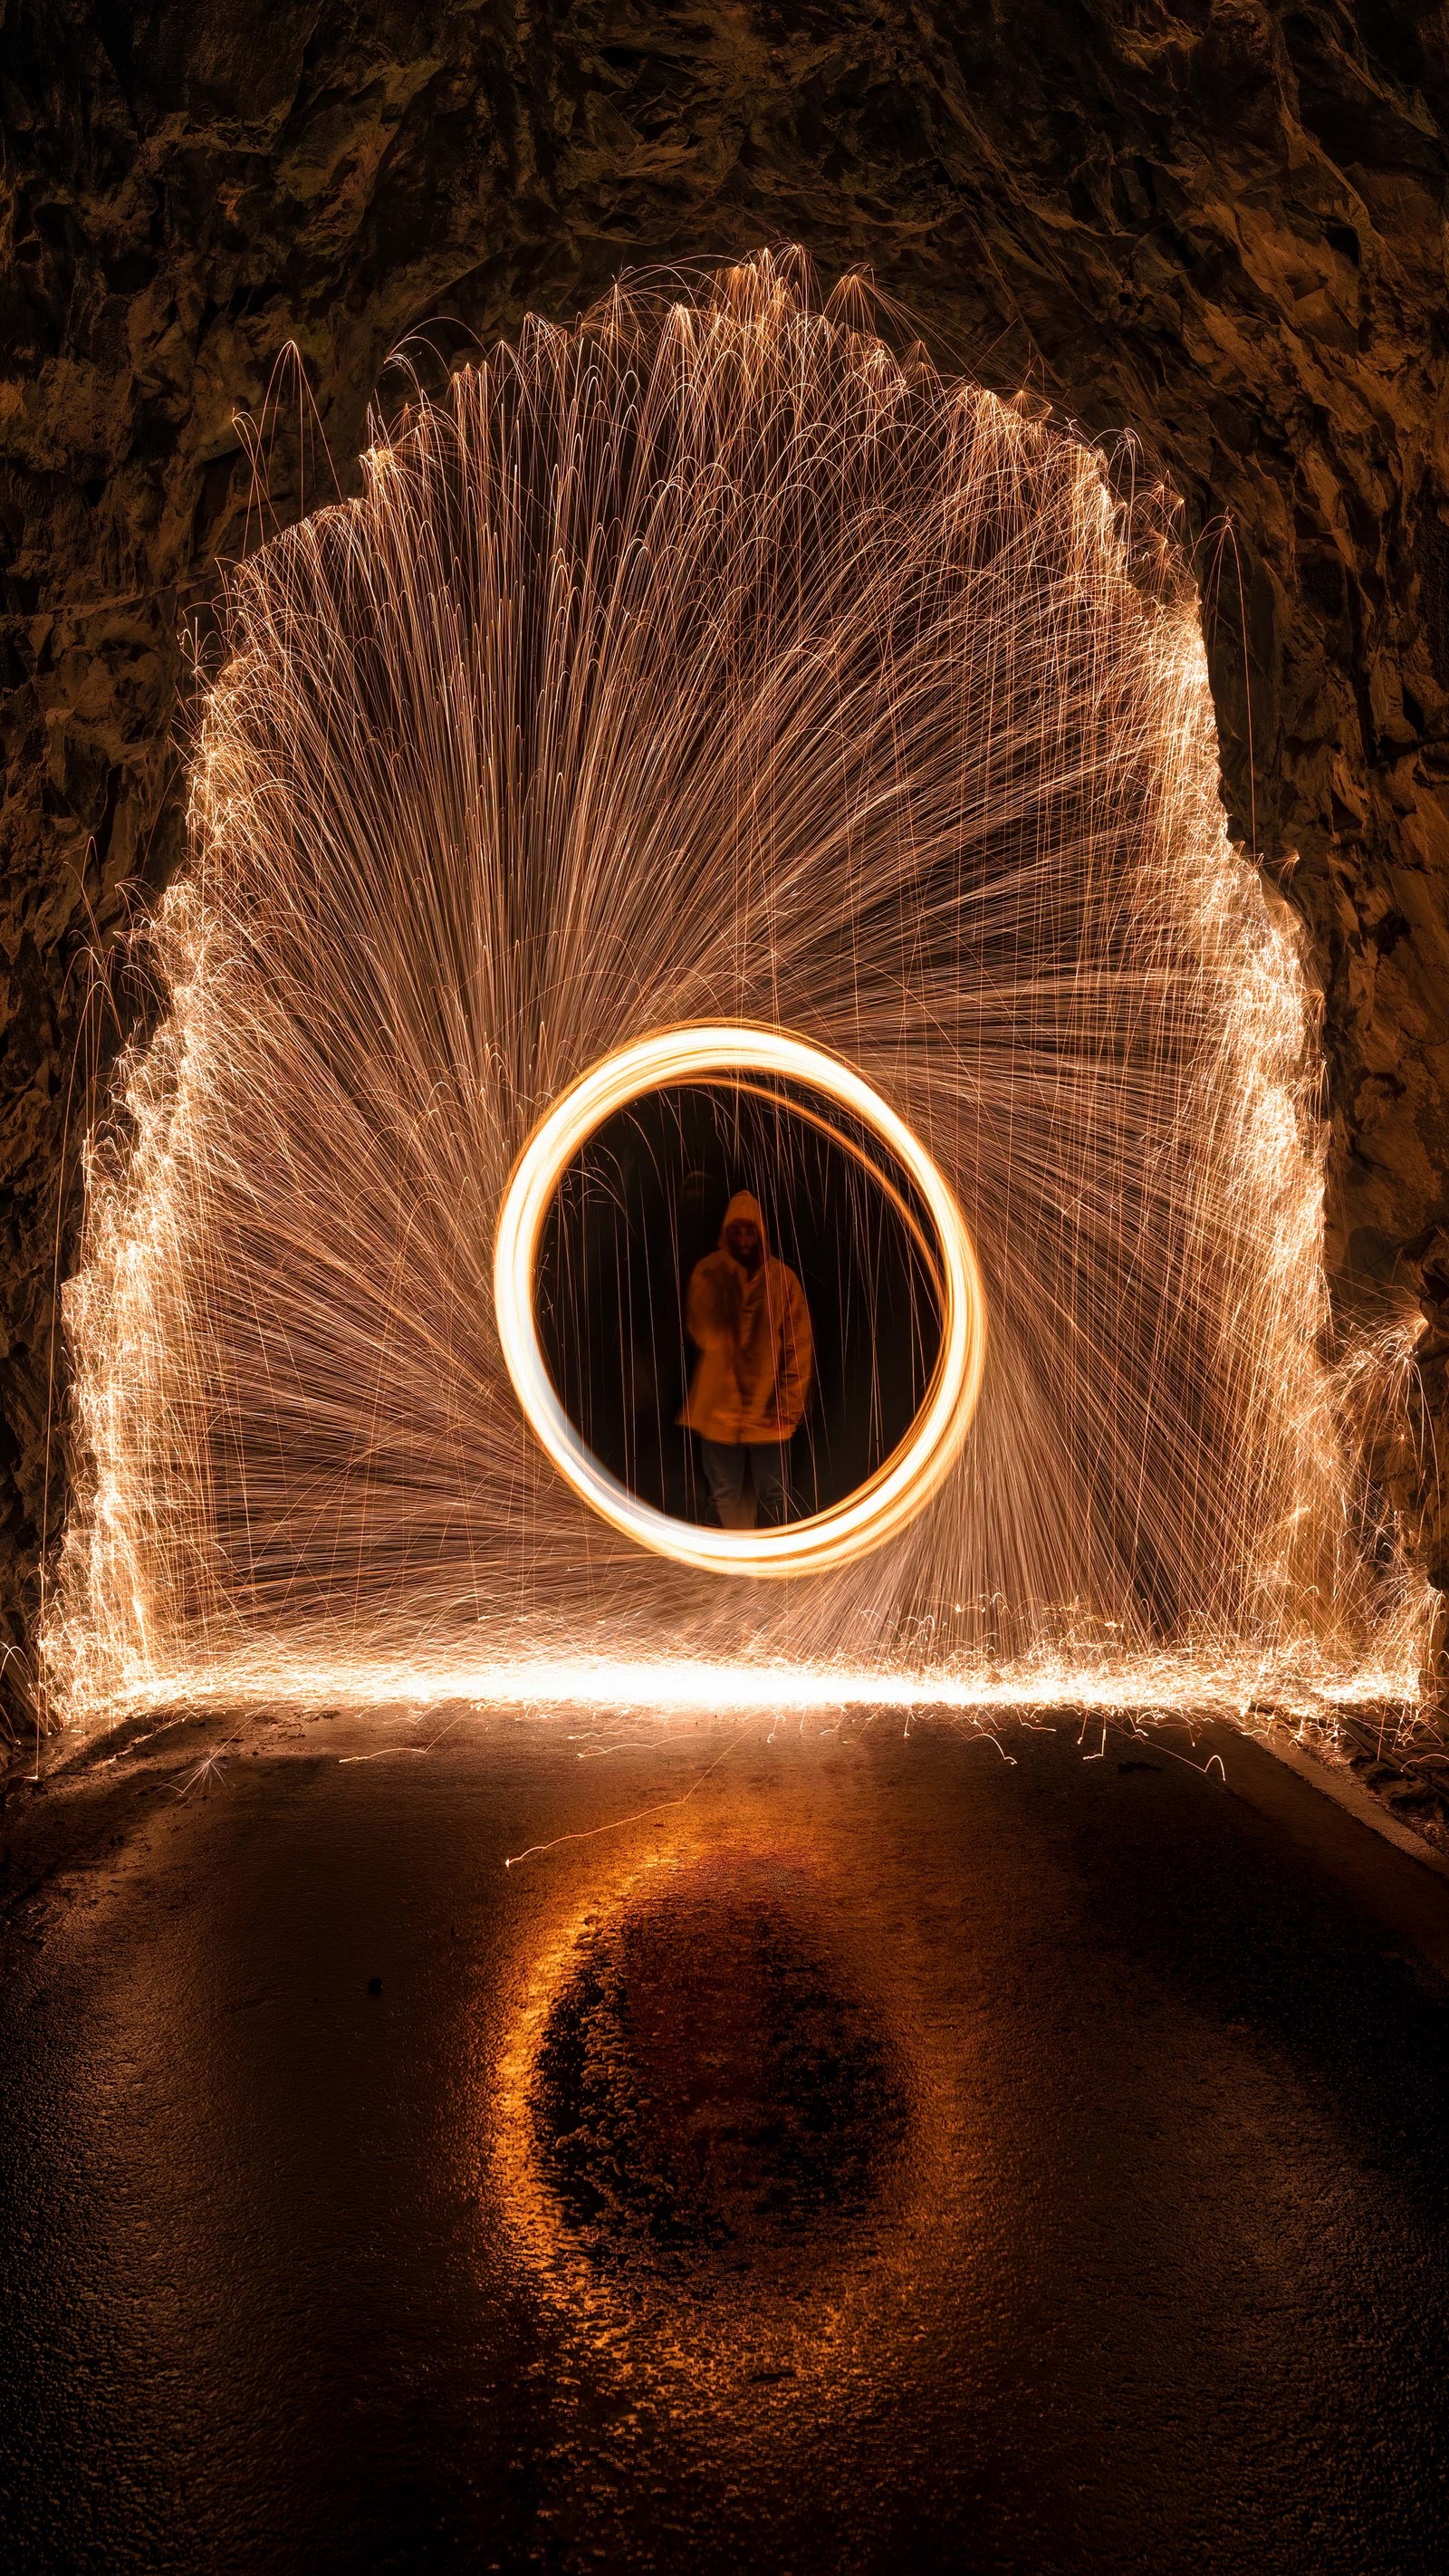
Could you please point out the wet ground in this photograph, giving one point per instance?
(893, 2155)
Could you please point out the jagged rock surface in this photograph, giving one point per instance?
(1220, 224)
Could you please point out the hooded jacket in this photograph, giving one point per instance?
(753, 1336)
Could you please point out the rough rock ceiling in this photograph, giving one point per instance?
(1219, 225)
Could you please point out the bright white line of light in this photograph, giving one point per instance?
(881, 1507)
(685, 1686)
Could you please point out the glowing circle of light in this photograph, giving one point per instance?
(877, 1510)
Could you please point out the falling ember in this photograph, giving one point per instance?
(707, 665)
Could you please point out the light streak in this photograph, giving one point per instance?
(1145, 1684)
(637, 1816)
(707, 667)
(900, 1488)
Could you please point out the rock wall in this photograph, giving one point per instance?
(1220, 224)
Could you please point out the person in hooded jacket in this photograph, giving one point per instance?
(747, 1316)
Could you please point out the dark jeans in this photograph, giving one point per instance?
(768, 1462)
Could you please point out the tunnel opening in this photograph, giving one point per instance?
(710, 665)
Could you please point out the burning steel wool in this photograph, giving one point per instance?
(708, 677)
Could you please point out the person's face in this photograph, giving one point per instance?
(742, 1240)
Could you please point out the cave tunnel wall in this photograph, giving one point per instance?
(1221, 226)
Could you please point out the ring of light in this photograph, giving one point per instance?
(890, 1498)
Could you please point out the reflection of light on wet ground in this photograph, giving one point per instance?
(294, 2274)
(716, 2148)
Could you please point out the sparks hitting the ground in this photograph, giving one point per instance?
(709, 665)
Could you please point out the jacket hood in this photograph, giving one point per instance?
(742, 1205)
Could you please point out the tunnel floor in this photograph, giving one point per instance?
(900, 2149)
